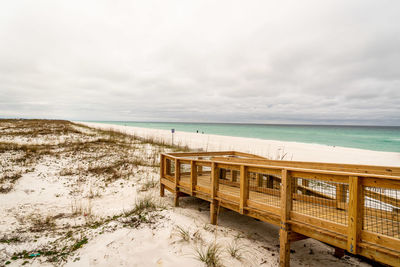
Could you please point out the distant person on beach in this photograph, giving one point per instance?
(197, 131)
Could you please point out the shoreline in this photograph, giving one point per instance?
(272, 149)
(310, 134)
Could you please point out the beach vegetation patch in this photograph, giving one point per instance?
(79, 244)
(236, 250)
(210, 255)
(148, 184)
(9, 240)
(41, 223)
(78, 166)
(145, 204)
(183, 233)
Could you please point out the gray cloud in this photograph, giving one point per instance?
(230, 61)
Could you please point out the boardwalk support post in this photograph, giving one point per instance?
(162, 186)
(356, 207)
(177, 176)
(339, 253)
(286, 207)
(214, 189)
(162, 190)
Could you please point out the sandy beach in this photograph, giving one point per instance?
(91, 173)
(268, 148)
(78, 194)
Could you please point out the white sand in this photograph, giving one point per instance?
(46, 192)
(269, 148)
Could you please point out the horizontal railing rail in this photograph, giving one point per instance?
(385, 170)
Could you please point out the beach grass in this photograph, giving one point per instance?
(93, 164)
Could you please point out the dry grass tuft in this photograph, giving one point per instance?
(7, 181)
(40, 223)
(82, 208)
(210, 255)
(148, 184)
(146, 203)
(182, 233)
(10, 239)
(236, 250)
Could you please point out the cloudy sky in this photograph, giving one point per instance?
(322, 62)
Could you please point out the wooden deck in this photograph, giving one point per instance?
(351, 207)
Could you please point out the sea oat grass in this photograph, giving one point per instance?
(210, 255)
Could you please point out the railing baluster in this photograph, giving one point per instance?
(286, 207)
(214, 189)
(244, 188)
(356, 208)
(162, 172)
(177, 177)
(193, 176)
(259, 178)
(167, 166)
(270, 181)
(340, 196)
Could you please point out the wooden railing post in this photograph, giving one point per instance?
(286, 207)
(356, 209)
(177, 176)
(214, 189)
(162, 186)
(244, 188)
(193, 176)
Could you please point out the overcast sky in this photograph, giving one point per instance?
(322, 62)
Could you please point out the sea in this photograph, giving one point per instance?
(378, 138)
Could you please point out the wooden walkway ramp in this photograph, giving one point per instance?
(351, 207)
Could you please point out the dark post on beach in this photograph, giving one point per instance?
(172, 136)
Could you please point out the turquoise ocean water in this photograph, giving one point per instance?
(379, 138)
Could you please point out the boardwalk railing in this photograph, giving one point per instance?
(351, 207)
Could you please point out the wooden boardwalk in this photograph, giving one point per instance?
(351, 207)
